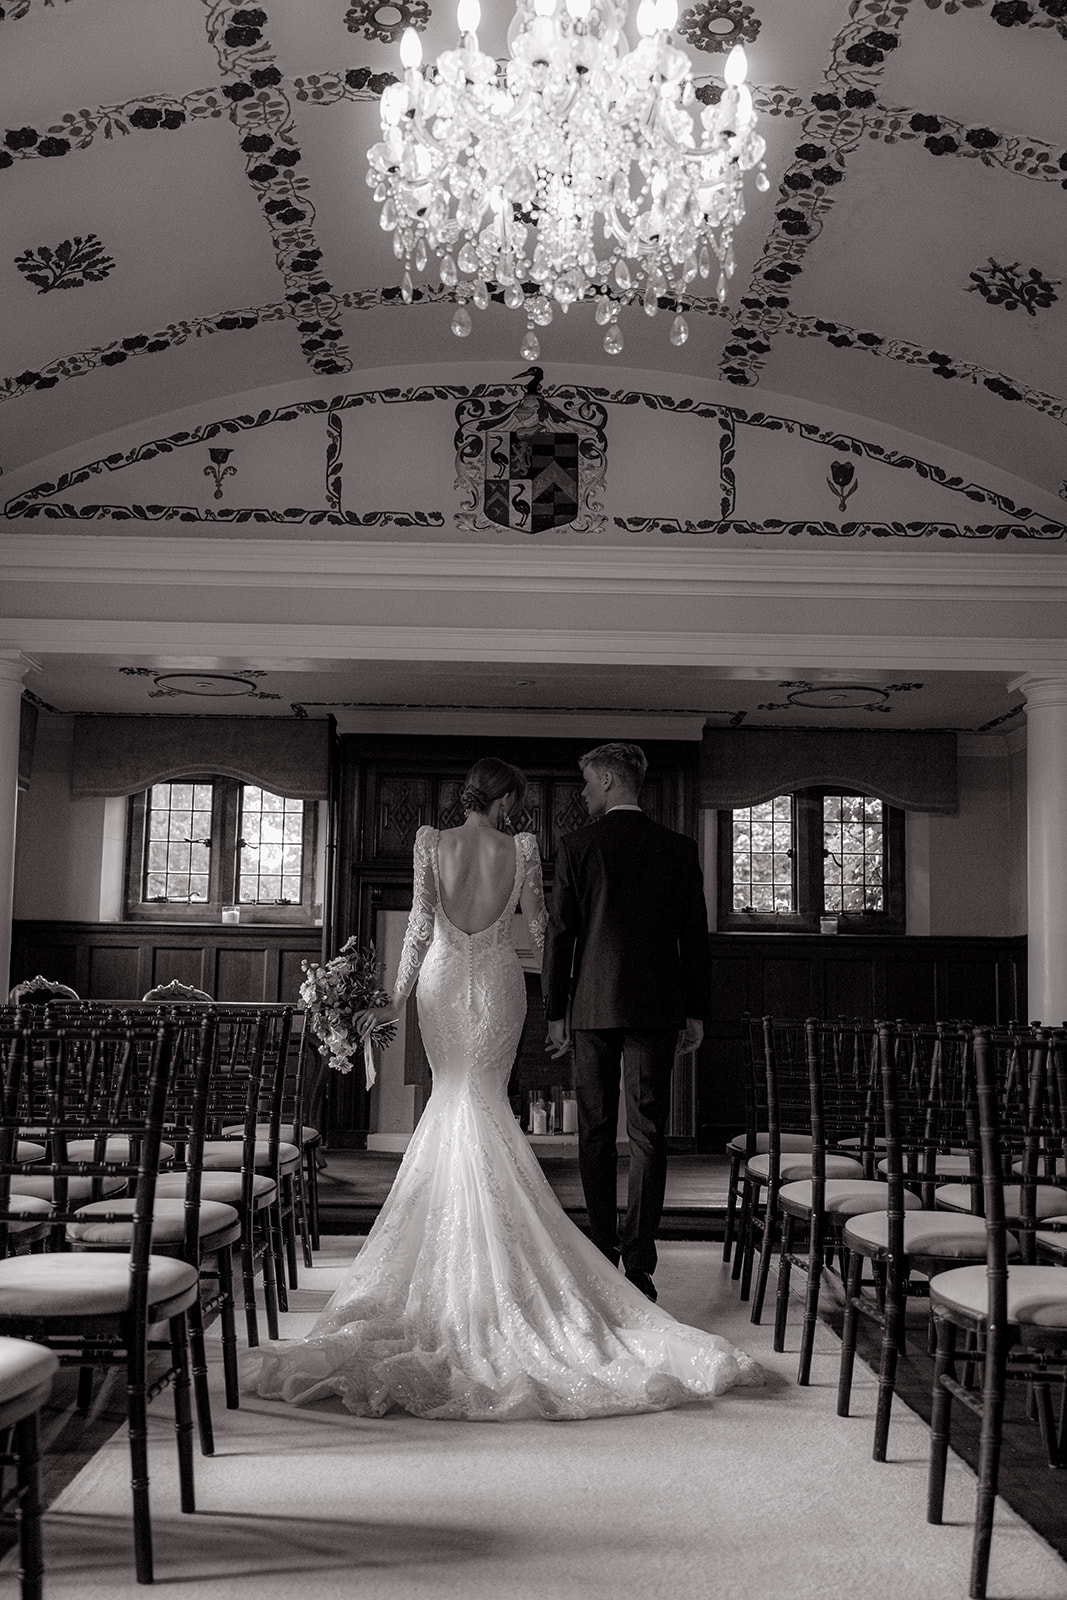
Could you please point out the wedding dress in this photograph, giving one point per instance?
(474, 1295)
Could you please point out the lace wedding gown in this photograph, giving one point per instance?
(474, 1295)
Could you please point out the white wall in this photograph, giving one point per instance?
(60, 841)
(970, 886)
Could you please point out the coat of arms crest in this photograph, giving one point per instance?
(533, 463)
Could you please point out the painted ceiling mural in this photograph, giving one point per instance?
(837, 483)
(185, 218)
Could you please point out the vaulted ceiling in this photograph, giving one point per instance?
(185, 217)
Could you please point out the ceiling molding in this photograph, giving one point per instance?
(62, 559)
(752, 654)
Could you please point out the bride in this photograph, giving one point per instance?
(474, 1295)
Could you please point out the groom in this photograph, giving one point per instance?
(625, 978)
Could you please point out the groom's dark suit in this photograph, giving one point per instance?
(627, 950)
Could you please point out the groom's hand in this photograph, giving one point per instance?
(559, 1040)
(691, 1035)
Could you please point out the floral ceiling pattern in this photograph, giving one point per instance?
(283, 89)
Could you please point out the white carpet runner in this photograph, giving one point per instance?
(764, 1494)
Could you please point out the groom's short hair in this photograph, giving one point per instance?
(626, 761)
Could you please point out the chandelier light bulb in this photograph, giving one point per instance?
(410, 50)
(576, 169)
(647, 18)
(736, 68)
(468, 15)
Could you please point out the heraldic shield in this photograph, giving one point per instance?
(533, 463)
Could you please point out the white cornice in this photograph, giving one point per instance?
(748, 654)
(1032, 576)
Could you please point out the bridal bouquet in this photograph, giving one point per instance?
(340, 1000)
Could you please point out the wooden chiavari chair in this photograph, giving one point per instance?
(104, 1093)
(928, 1107)
(1013, 1311)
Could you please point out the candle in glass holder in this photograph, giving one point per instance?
(570, 1114)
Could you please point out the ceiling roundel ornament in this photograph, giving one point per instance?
(717, 25)
(385, 20)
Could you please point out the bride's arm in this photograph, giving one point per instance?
(532, 894)
(419, 934)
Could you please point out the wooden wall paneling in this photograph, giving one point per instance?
(46, 953)
(400, 804)
(730, 980)
(967, 987)
(792, 985)
(240, 972)
(122, 961)
(911, 988)
(115, 972)
(852, 988)
(185, 962)
(291, 974)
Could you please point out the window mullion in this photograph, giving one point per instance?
(224, 842)
(809, 847)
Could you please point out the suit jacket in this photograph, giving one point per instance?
(627, 939)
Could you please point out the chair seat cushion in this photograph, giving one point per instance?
(79, 1190)
(946, 1165)
(926, 1233)
(1056, 1242)
(960, 1196)
(29, 1150)
(224, 1155)
(24, 1366)
(80, 1284)
(798, 1166)
(1037, 1296)
(168, 1223)
(27, 1211)
(117, 1148)
(287, 1133)
(222, 1186)
(844, 1197)
(794, 1143)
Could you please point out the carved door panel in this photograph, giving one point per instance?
(399, 805)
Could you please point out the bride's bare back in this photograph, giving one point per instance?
(476, 866)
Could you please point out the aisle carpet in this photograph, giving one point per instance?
(762, 1493)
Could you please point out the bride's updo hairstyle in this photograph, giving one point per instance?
(489, 780)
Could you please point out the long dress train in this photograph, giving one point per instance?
(474, 1295)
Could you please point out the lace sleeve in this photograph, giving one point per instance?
(419, 933)
(532, 895)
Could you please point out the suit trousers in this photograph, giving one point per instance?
(646, 1060)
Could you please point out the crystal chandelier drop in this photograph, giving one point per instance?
(579, 168)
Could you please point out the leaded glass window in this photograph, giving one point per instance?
(177, 860)
(852, 853)
(787, 864)
(763, 877)
(205, 843)
(271, 848)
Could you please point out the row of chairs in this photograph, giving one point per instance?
(140, 1153)
(920, 1160)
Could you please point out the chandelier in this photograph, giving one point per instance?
(577, 169)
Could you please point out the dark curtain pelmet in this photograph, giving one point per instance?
(744, 766)
(123, 755)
